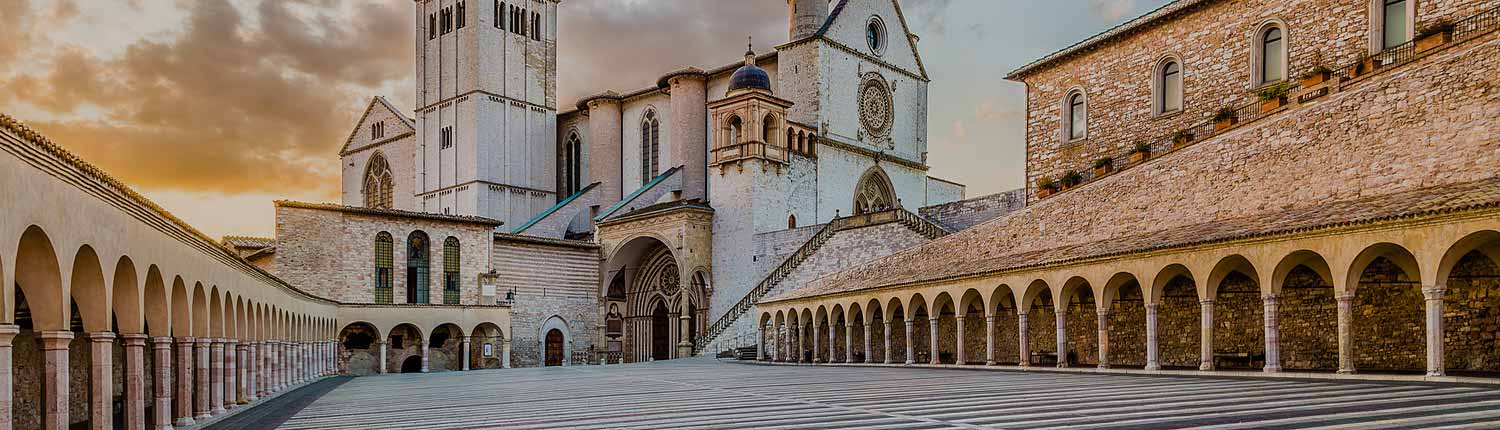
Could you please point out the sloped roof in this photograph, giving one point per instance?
(377, 101)
(1161, 13)
(389, 212)
(900, 15)
(945, 258)
(248, 242)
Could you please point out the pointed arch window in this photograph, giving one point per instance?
(874, 193)
(418, 266)
(572, 166)
(378, 183)
(384, 245)
(450, 271)
(650, 146)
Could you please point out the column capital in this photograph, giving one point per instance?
(55, 340)
(204, 341)
(1434, 292)
(1152, 306)
(232, 341)
(101, 336)
(463, 340)
(1206, 302)
(1270, 298)
(1345, 296)
(133, 339)
(185, 340)
(8, 332)
(1105, 312)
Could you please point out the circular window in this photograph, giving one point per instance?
(875, 35)
(875, 106)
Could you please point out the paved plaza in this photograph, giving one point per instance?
(704, 393)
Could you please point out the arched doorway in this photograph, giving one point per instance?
(554, 348)
(661, 345)
(412, 364)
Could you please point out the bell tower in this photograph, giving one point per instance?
(807, 17)
(487, 107)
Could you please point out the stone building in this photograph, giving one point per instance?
(1218, 184)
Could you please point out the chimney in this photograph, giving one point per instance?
(807, 17)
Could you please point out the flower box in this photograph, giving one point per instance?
(1100, 172)
(1314, 79)
(1270, 105)
(1224, 123)
(1139, 157)
(1042, 193)
(1434, 40)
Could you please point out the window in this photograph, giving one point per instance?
(445, 138)
(1269, 56)
(536, 26)
(446, 18)
(650, 146)
(383, 264)
(498, 7)
(378, 183)
(450, 271)
(875, 35)
(1168, 87)
(572, 166)
(431, 26)
(377, 130)
(461, 14)
(1075, 116)
(417, 268)
(736, 127)
(1395, 23)
(768, 128)
(791, 221)
(521, 22)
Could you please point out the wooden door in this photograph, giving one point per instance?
(554, 348)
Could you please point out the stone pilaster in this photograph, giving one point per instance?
(1346, 332)
(184, 396)
(1206, 335)
(1061, 315)
(8, 334)
(989, 340)
(203, 367)
(216, 376)
(1272, 314)
(1434, 297)
(1103, 323)
(958, 335)
(55, 378)
(161, 405)
(1022, 334)
(911, 356)
(135, 376)
(1153, 344)
(101, 380)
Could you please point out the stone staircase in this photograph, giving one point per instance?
(912, 221)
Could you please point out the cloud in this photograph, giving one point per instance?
(987, 112)
(227, 105)
(1111, 10)
(927, 17)
(959, 131)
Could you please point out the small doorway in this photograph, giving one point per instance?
(554, 348)
(412, 364)
(661, 346)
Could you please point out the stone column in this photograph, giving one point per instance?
(202, 396)
(8, 334)
(1153, 345)
(252, 371)
(832, 344)
(1434, 296)
(911, 349)
(135, 376)
(101, 384)
(989, 340)
(848, 343)
(242, 390)
(760, 343)
(1023, 328)
(1206, 335)
(263, 369)
(778, 343)
(817, 343)
(231, 373)
(1104, 321)
(958, 336)
(216, 376)
(891, 327)
(281, 364)
(1272, 303)
(869, 358)
(1061, 312)
(425, 354)
(161, 405)
(1346, 332)
(55, 378)
(505, 353)
(185, 381)
(383, 357)
(932, 338)
(464, 343)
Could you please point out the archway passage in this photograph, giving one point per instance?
(1239, 339)
(1309, 322)
(487, 347)
(1179, 324)
(1127, 326)
(412, 364)
(554, 348)
(661, 346)
(358, 354)
(1389, 332)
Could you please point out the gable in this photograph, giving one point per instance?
(378, 111)
(847, 23)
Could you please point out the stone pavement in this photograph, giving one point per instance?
(704, 393)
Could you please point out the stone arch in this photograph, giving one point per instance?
(874, 192)
(201, 314)
(1177, 294)
(215, 312)
(1123, 303)
(1041, 310)
(379, 183)
(838, 325)
(39, 277)
(806, 320)
(486, 346)
(241, 320)
(1384, 281)
(971, 306)
(126, 297)
(156, 302)
(1078, 299)
(876, 324)
(1238, 313)
(560, 325)
(854, 322)
(88, 290)
(445, 348)
(403, 342)
(1307, 311)
(945, 311)
(182, 309)
(1468, 278)
(1003, 307)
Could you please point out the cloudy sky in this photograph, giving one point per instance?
(213, 108)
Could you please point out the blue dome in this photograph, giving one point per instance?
(750, 77)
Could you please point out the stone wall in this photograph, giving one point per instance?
(1389, 332)
(963, 214)
(1213, 44)
(1309, 322)
(548, 280)
(1471, 316)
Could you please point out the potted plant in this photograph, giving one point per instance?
(1273, 96)
(1071, 179)
(1104, 166)
(1140, 153)
(1045, 187)
(1317, 75)
(1181, 138)
(1224, 118)
(1434, 34)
